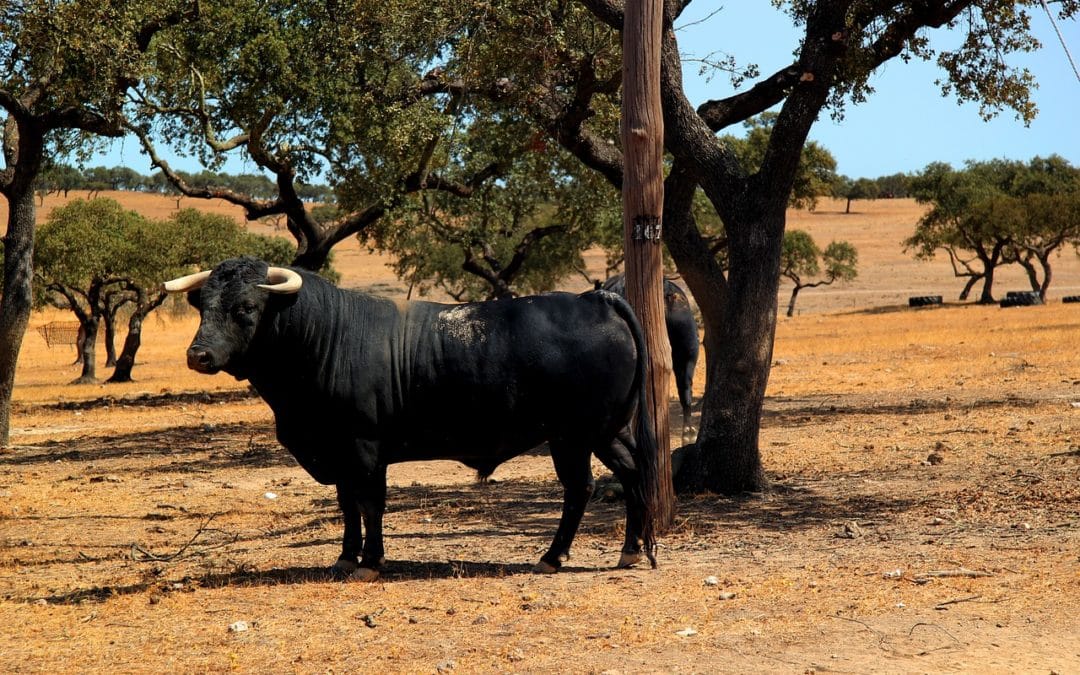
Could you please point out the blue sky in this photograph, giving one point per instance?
(906, 124)
(903, 127)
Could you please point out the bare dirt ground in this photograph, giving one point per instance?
(924, 516)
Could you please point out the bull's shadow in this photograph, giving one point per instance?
(403, 570)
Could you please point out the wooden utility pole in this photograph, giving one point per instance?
(642, 131)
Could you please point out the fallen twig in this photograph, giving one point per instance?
(148, 556)
(882, 638)
(932, 625)
(959, 572)
(935, 649)
(942, 605)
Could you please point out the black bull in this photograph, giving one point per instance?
(682, 330)
(357, 383)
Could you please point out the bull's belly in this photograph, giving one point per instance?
(467, 448)
(481, 437)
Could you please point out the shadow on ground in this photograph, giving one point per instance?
(484, 515)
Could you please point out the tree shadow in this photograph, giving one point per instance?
(785, 508)
(895, 309)
(526, 508)
(806, 410)
(147, 400)
(209, 447)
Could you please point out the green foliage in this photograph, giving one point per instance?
(893, 186)
(841, 261)
(817, 167)
(61, 178)
(851, 190)
(800, 254)
(521, 234)
(201, 240)
(802, 260)
(329, 86)
(85, 243)
(801, 257)
(77, 55)
(994, 213)
(97, 241)
(976, 65)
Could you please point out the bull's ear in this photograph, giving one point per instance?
(194, 299)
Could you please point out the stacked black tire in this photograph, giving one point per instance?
(1021, 299)
(924, 300)
(1071, 298)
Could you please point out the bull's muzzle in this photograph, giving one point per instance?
(201, 360)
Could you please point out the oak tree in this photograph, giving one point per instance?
(843, 43)
(802, 260)
(64, 69)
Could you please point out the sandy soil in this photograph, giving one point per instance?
(924, 516)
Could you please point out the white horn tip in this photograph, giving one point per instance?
(190, 282)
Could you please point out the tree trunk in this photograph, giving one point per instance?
(110, 339)
(791, 302)
(738, 345)
(1029, 269)
(80, 340)
(16, 298)
(133, 341)
(987, 295)
(642, 131)
(89, 370)
(972, 280)
(1044, 260)
(126, 361)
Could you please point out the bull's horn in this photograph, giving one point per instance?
(189, 283)
(282, 280)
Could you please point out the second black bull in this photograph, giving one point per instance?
(357, 383)
(682, 330)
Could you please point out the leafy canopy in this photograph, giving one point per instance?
(816, 174)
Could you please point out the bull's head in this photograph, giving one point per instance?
(231, 300)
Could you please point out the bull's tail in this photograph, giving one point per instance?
(644, 448)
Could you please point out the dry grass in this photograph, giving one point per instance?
(134, 531)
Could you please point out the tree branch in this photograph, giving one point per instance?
(521, 251)
(567, 125)
(254, 208)
(722, 113)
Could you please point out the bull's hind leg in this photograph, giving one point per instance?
(617, 457)
(572, 466)
(373, 506)
(353, 539)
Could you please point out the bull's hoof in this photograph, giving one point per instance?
(544, 568)
(364, 574)
(343, 569)
(630, 559)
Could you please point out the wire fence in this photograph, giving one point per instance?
(59, 333)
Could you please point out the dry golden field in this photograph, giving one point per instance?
(924, 516)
